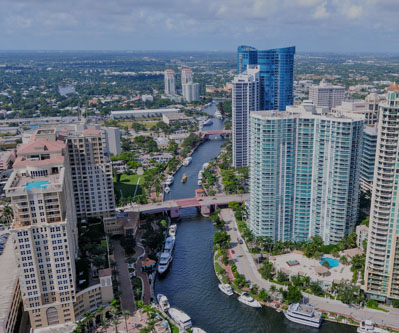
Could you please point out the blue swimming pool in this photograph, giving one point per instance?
(333, 262)
(37, 184)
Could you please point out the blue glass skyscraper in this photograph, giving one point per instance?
(276, 74)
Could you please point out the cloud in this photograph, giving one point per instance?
(320, 12)
(354, 12)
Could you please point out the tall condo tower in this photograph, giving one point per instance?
(170, 82)
(186, 76)
(304, 173)
(276, 74)
(382, 261)
(246, 98)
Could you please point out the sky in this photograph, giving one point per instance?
(200, 25)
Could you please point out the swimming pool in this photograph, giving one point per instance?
(37, 184)
(331, 261)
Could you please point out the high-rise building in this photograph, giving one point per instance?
(246, 98)
(304, 173)
(170, 82)
(44, 229)
(369, 148)
(276, 74)
(191, 92)
(373, 100)
(382, 260)
(359, 107)
(113, 139)
(326, 95)
(186, 76)
(92, 178)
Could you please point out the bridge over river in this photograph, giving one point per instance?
(205, 204)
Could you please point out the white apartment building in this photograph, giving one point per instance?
(186, 76)
(113, 139)
(326, 95)
(191, 92)
(170, 82)
(246, 98)
(382, 260)
(359, 107)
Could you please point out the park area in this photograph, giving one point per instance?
(125, 186)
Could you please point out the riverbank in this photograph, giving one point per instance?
(341, 313)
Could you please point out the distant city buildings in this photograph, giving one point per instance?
(170, 82)
(304, 173)
(382, 268)
(7, 158)
(245, 98)
(126, 114)
(367, 107)
(276, 74)
(326, 95)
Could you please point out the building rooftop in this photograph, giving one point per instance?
(104, 272)
(41, 145)
(8, 277)
(393, 87)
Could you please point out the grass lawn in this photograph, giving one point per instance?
(127, 185)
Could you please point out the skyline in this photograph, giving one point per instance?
(310, 25)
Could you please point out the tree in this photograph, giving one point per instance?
(282, 277)
(292, 295)
(316, 289)
(326, 264)
(266, 270)
(126, 315)
(296, 280)
(263, 295)
(221, 238)
(344, 260)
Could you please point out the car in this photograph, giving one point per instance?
(240, 241)
(232, 251)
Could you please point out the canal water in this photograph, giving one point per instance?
(191, 284)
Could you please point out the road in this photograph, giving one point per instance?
(127, 298)
(246, 265)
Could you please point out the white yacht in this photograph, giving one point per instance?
(226, 288)
(169, 244)
(304, 314)
(197, 330)
(204, 166)
(164, 261)
(180, 318)
(187, 161)
(367, 326)
(200, 175)
(169, 180)
(167, 189)
(163, 302)
(199, 182)
(247, 299)
(172, 230)
(209, 122)
(218, 114)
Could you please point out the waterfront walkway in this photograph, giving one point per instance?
(246, 265)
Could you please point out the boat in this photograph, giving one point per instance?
(172, 230)
(200, 175)
(218, 114)
(199, 182)
(208, 122)
(304, 314)
(164, 261)
(169, 180)
(180, 318)
(167, 189)
(367, 326)
(169, 244)
(247, 299)
(163, 302)
(184, 179)
(187, 161)
(197, 330)
(226, 288)
(204, 166)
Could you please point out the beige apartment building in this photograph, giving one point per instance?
(382, 261)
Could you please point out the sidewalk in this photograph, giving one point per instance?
(246, 265)
(146, 296)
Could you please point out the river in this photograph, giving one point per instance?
(191, 284)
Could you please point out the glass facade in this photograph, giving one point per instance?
(276, 73)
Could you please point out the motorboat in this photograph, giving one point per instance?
(208, 122)
(199, 182)
(226, 288)
(218, 115)
(180, 318)
(187, 161)
(164, 262)
(304, 314)
(184, 179)
(172, 230)
(167, 189)
(367, 326)
(204, 166)
(247, 299)
(200, 175)
(169, 244)
(163, 302)
(197, 330)
(169, 180)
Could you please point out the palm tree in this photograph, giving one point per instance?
(126, 315)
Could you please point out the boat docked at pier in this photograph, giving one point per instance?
(187, 161)
(304, 314)
(226, 289)
(197, 330)
(199, 182)
(218, 114)
(172, 230)
(167, 189)
(169, 180)
(180, 318)
(208, 122)
(367, 326)
(200, 175)
(163, 302)
(247, 299)
(169, 244)
(204, 166)
(164, 261)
